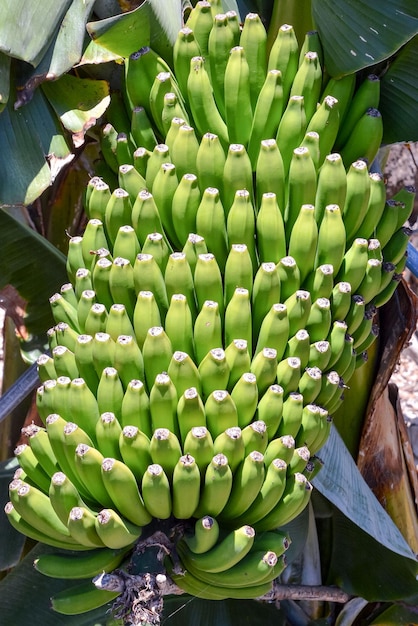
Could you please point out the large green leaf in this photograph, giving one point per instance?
(399, 96)
(358, 33)
(153, 23)
(26, 28)
(64, 51)
(342, 484)
(78, 102)
(33, 266)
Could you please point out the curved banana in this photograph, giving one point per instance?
(185, 487)
(216, 487)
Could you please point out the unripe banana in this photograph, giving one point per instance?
(238, 271)
(299, 346)
(80, 566)
(295, 498)
(210, 162)
(102, 353)
(208, 282)
(366, 96)
(110, 391)
(255, 437)
(237, 174)
(64, 362)
(263, 366)
(202, 103)
(184, 151)
(290, 277)
(365, 139)
(267, 113)
(238, 359)
(266, 292)
(148, 277)
(145, 216)
(185, 204)
(254, 41)
(186, 487)
(237, 95)
(42, 449)
(325, 121)
(128, 360)
(342, 89)
(387, 224)
(310, 426)
(284, 56)
(184, 373)
(199, 443)
(320, 283)
(311, 141)
(190, 412)
(141, 156)
(173, 107)
(211, 224)
(114, 531)
(93, 238)
(355, 315)
(245, 396)
(68, 293)
(108, 432)
(207, 330)
(221, 412)
(216, 487)
(240, 225)
(96, 319)
(165, 450)
(336, 338)
(118, 213)
(88, 463)
(291, 129)
(308, 82)
(370, 285)
(163, 189)
(299, 460)
(64, 496)
(81, 598)
(319, 320)
(406, 196)
(332, 185)
(155, 489)
(303, 240)
(81, 524)
(319, 354)
(141, 130)
(83, 406)
(221, 40)
(32, 468)
(101, 293)
(205, 535)
(62, 311)
(298, 308)
(74, 257)
(118, 322)
(274, 330)
(246, 484)
(122, 488)
(184, 49)
(269, 409)
(146, 315)
(238, 322)
(226, 553)
(280, 448)
(270, 229)
(140, 70)
(134, 450)
(179, 324)
(291, 414)
(310, 384)
(301, 186)
(163, 404)
(96, 198)
(331, 238)
(156, 245)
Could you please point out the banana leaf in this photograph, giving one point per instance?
(153, 23)
(34, 267)
(358, 34)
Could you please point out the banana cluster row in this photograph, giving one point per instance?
(220, 299)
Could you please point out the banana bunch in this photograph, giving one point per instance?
(218, 303)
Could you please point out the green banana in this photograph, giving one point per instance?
(245, 396)
(291, 414)
(186, 487)
(342, 89)
(265, 293)
(263, 367)
(365, 138)
(179, 324)
(280, 448)
(310, 384)
(213, 371)
(269, 409)
(115, 531)
(284, 56)
(248, 479)
(238, 322)
(199, 443)
(221, 40)
(142, 132)
(64, 362)
(184, 373)
(289, 276)
(255, 437)
(226, 553)
(301, 186)
(274, 330)
(108, 431)
(267, 113)
(211, 224)
(331, 238)
(57, 565)
(155, 489)
(270, 174)
(298, 307)
(238, 359)
(366, 96)
(148, 277)
(122, 488)
(319, 320)
(163, 189)
(210, 162)
(42, 449)
(88, 463)
(207, 330)
(270, 230)
(190, 412)
(237, 174)
(326, 122)
(134, 450)
(270, 493)
(240, 225)
(237, 95)
(308, 82)
(35, 474)
(216, 487)
(163, 403)
(128, 360)
(292, 129)
(205, 535)
(295, 498)
(221, 412)
(165, 450)
(299, 346)
(253, 39)
(303, 240)
(185, 204)
(81, 598)
(202, 102)
(208, 282)
(319, 354)
(299, 460)
(332, 185)
(340, 300)
(387, 225)
(238, 271)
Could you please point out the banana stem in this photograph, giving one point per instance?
(297, 13)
